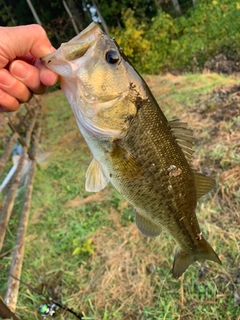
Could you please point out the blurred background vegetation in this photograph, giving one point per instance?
(83, 249)
(156, 35)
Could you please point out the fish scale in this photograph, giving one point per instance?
(139, 144)
(145, 157)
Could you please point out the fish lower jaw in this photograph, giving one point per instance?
(100, 133)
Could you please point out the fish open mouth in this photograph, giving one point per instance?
(75, 48)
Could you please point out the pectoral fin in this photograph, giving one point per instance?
(125, 164)
(95, 178)
(147, 227)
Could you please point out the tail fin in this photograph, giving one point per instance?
(183, 259)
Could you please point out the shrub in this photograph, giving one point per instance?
(131, 39)
(210, 28)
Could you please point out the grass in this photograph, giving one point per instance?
(84, 250)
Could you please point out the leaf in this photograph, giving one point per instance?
(87, 247)
(76, 251)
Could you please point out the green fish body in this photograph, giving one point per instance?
(145, 157)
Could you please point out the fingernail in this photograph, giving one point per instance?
(52, 78)
(19, 70)
(48, 77)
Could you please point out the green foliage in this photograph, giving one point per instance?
(132, 40)
(52, 14)
(162, 34)
(86, 247)
(150, 33)
(185, 42)
(113, 11)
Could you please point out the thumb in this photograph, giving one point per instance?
(18, 41)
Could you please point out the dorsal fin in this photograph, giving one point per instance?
(184, 137)
(204, 184)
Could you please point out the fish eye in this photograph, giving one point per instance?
(112, 57)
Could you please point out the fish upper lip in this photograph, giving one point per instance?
(48, 58)
(83, 41)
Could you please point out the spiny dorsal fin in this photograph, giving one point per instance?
(95, 178)
(204, 184)
(184, 137)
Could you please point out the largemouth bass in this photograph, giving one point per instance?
(146, 157)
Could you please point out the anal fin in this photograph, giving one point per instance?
(95, 178)
(147, 227)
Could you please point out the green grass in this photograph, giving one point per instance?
(85, 251)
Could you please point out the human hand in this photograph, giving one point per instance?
(21, 71)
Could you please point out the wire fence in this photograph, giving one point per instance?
(19, 139)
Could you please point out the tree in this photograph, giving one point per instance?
(70, 16)
(176, 7)
(104, 25)
(50, 14)
(31, 7)
(81, 13)
(112, 11)
(6, 14)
